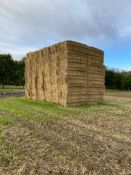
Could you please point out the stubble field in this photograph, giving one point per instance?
(40, 138)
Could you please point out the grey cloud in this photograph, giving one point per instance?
(37, 23)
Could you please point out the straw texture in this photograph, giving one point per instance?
(67, 73)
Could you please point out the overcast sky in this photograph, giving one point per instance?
(27, 25)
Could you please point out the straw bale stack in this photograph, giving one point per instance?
(67, 73)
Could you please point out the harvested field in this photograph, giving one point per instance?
(38, 138)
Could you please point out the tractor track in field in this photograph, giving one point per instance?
(11, 94)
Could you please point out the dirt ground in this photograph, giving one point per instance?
(41, 139)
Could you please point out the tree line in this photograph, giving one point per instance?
(12, 73)
(119, 80)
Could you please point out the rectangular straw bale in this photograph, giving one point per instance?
(67, 73)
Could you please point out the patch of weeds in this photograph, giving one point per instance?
(36, 109)
(5, 121)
